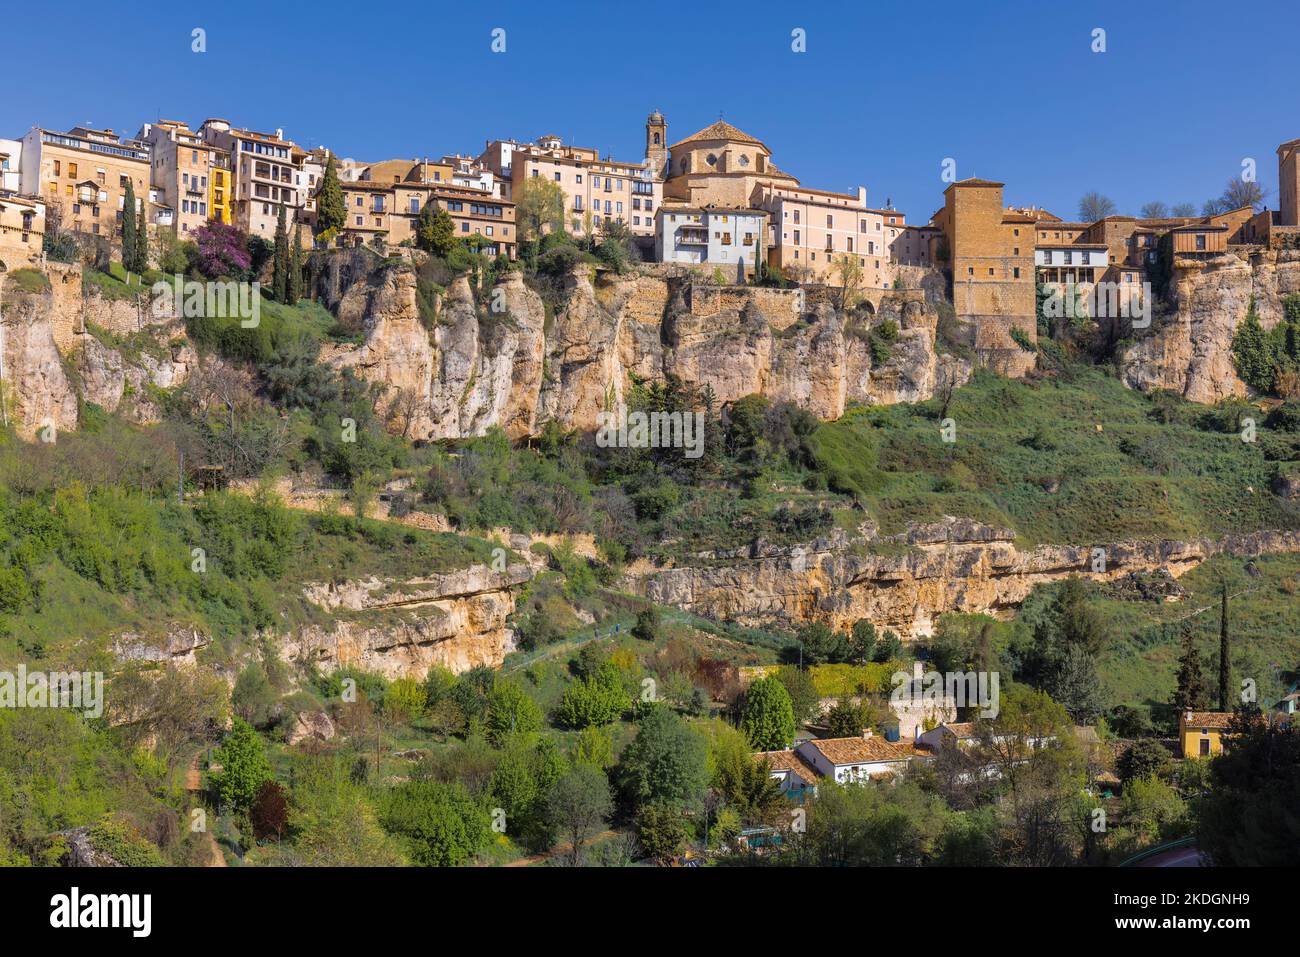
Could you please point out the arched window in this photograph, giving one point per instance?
(656, 139)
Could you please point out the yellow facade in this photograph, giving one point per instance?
(220, 188)
(1201, 733)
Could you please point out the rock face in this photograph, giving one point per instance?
(1190, 351)
(177, 645)
(401, 629)
(38, 395)
(955, 565)
(496, 360)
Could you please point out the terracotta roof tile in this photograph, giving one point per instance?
(862, 750)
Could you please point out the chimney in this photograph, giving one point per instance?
(279, 133)
(862, 195)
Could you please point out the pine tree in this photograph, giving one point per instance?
(280, 267)
(1191, 692)
(129, 227)
(330, 212)
(1252, 352)
(1225, 652)
(295, 268)
(142, 238)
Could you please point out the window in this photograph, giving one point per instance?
(359, 201)
(796, 218)
(1200, 240)
(1015, 272)
(72, 170)
(557, 175)
(796, 237)
(56, 167)
(415, 204)
(464, 227)
(359, 220)
(829, 221)
(577, 178)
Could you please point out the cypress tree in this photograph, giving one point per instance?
(295, 268)
(330, 212)
(1191, 692)
(142, 238)
(1225, 652)
(280, 267)
(128, 227)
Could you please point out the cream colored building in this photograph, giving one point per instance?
(182, 170)
(84, 172)
(266, 171)
(595, 189)
(22, 230)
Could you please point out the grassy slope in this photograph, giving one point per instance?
(1122, 473)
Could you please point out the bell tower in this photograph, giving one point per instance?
(656, 144)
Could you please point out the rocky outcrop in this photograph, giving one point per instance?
(177, 645)
(402, 628)
(38, 398)
(493, 359)
(905, 582)
(1190, 350)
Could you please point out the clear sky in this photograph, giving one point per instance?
(885, 91)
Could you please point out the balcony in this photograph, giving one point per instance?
(692, 237)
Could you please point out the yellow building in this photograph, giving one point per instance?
(220, 187)
(22, 230)
(1201, 733)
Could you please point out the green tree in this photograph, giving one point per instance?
(331, 215)
(665, 763)
(244, 767)
(661, 831)
(142, 237)
(441, 825)
(1253, 353)
(799, 685)
(1248, 818)
(295, 267)
(768, 717)
(510, 711)
(280, 265)
(129, 226)
(435, 231)
(1225, 651)
(404, 700)
(579, 806)
(647, 624)
(596, 699)
(1192, 690)
(1144, 758)
(539, 207)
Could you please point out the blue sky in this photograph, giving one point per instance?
(884, 93)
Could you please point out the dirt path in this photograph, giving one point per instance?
(533, 859)
(194, 784)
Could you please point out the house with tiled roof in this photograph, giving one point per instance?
(1201, 733)
(865, 758)
(796, 776)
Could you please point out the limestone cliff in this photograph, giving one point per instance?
(954, 565)
(496, 360)
(1190, 350)
(401, 628)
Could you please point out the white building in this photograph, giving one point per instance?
(11, 162)
(857, 759)
(696, 236)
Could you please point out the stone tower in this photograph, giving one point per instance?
(656, 143)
